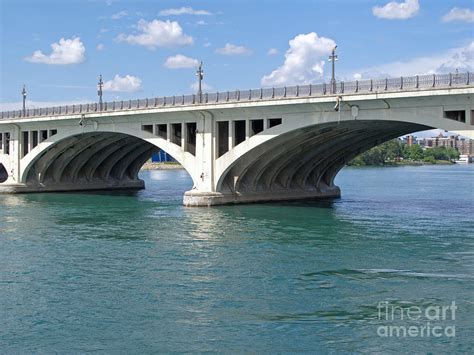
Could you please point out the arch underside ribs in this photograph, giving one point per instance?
(91, 161)
(3, 174)
(304, 163)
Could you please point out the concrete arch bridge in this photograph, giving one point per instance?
(243, 146)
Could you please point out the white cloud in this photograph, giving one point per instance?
(201, 23)
(232, 49)
(180, 61)
(397, 10)
(447, 62)
(183, 11)
(459, 14)
(119, 15)
(205, 87)
(100, 47)
(460, 58)
(273, 51)
(357, 76)
(207, 44)
(127, 83)
(67, 51)
(303, 61)
(157, 34)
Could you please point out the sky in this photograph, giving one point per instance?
(152, 48)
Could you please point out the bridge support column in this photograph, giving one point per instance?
(205, 143)
(15, 155)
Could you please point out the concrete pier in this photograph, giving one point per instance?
(203, 199)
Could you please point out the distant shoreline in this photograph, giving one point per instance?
(176, 166)
(411, 163)
(161, 166)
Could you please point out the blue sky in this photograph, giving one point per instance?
(150, 48)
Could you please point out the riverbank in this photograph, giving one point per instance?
(407, 163)
(149, 165)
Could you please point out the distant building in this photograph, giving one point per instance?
(410, 140)
(464, 146)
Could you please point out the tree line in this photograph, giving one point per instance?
(394, 151)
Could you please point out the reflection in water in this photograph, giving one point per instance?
(137, 272)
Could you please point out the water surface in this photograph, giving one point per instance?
(137, 272)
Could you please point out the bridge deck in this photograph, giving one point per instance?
(419, 82)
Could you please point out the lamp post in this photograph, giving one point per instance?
(333, 58)
(23, 93)
(200, 75)
(100, 85)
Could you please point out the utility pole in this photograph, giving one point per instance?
(100, 85)
(200, 75)
(333, 58)
(23, 93)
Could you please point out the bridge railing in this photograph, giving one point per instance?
(418, 82)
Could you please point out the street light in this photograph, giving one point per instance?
(23, 93)
(333, 58)
(100, 85)
(200, 75)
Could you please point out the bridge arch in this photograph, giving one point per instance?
(95, 159)
(303, 159)
(3, 174)
(4, 168)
